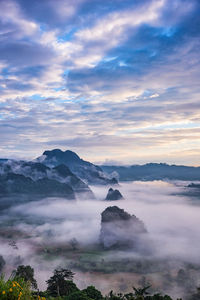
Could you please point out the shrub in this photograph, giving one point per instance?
(77, 296)
(15, 290)
(93, 293)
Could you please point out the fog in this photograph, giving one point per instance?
(172, 221)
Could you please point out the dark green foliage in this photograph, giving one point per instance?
(93, 293)
(113, 296)
(158, 297)
(141, 291)
(61, 284)
(78, 296)
(61, 287)
(26, 273)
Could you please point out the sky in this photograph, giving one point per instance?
(116, 81)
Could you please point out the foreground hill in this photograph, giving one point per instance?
(153, 171)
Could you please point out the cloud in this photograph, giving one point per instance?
(88, 70)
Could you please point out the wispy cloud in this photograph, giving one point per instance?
(118, 76)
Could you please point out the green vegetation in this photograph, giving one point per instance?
(60, 286)
(15, 289)
(27, 274)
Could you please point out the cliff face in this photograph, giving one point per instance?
(120, 230)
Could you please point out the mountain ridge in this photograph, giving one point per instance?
(87, 171)
(154, 171)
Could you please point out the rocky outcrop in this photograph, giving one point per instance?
(113, 195)
(120, 230)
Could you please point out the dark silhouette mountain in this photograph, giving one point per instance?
(87, 171)
(75, 182)
(63, 171)
(120, 230)
(38, 167)
(192, 190)
(153, 171)
(194, 185)
(113, 195)
(12, 184)
(38, 171)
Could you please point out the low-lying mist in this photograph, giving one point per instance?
(47, 233)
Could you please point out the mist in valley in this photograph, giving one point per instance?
(54, 232)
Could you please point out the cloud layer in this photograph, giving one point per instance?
(112, 80)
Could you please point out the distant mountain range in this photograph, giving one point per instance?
(154, 171)
(65, 174)
(55, 173)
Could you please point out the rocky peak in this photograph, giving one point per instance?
(114, 213)
(119, 229)
(85, 170)
(60, 155)
(113, 195)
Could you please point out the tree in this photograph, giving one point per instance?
(61, 284)
(113, 296)
(93, 293)
(74, 244)
(26, 273)
(141, 291)
(158, 297)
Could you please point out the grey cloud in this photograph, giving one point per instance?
(25, 54)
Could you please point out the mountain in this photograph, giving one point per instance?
(12, 184)
(113, 195)
(194, 185)
(62, 173)
(154, 171)
(85, 170)
(34, 174)
(192, 190)
(120, 230)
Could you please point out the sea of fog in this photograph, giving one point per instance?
(171, 218)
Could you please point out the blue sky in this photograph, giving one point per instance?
(114, 80)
